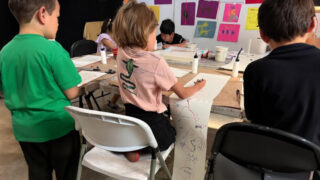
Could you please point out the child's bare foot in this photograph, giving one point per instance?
(132, 156)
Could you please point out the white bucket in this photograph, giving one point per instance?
(221, 53)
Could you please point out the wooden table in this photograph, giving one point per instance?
(227, 98)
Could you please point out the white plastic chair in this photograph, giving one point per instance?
(117, 133)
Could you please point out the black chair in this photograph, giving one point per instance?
(80, 48)
(243, 151)
(83, 47)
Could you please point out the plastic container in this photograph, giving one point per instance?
(221, 53)
(195, 64)
(103, 56)
(235, 70)
(115, 52)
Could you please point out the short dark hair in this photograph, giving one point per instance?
(106, 26)
(283, 20)
(167, 26)
(23, 10)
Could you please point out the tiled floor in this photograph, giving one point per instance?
(13, 166)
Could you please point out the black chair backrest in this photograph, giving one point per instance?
(83, 47)
(265, 149)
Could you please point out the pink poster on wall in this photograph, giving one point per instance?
(188, 12)
(162, 1)
(207, 9)
(228, 32)
(254, 1)
(231, 12)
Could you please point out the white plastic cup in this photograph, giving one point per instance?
(195, 64)
(103, 56)
(235, 70)
(249, 46)
(221, 53)
(261, 46)
(192, 46)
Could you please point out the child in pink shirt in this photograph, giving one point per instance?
(142, 76)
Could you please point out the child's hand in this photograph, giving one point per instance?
(200, 83)
(165, 46)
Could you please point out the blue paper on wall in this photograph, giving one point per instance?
(205, 29)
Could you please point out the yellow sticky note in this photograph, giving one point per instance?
(252, 19)
(156, 10)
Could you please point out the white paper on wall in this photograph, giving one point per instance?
(191, 118)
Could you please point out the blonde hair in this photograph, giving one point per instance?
(133, 24)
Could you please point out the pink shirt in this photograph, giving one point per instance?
(142, 76)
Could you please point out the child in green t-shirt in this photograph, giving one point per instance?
(38, 80)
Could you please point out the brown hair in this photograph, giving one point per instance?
(23, 10)
(286, 19)
(133, 24)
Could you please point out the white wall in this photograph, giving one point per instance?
(173, 11)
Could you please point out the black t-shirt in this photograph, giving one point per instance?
(282, 90)
(177, 39)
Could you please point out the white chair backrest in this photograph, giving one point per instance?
(112, 132)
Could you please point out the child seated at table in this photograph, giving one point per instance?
(142, 75)
(168, 37)
(104, 39)
(106, 42)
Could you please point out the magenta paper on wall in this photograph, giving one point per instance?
(188, 12)
(254, 1)
(162, 1)
(208, 9)
(228, 32)
(231, 12)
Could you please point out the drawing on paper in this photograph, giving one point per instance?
(188, 13)
(191, 118)
(252, 19)
(254, 1)
(205, 29)
(162, 1)
(156, 11)
(228, 32)
(231, 12)
(208, 9)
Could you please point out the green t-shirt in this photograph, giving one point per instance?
(34, 72)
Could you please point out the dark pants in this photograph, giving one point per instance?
(162, 130)
(61, 155)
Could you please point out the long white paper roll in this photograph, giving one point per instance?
(191, 117)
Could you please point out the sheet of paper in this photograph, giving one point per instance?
(156, 10)
(253, 1)
(252, 19)
(88, 76)
(205, 29)
(177, 54)
(85, 60)
(179, 72)
(207, 9)
(232, 1)
(228, 32)
(188, 12)
(162, 1)
(191, 117)
(245, 59)
(231, 12)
